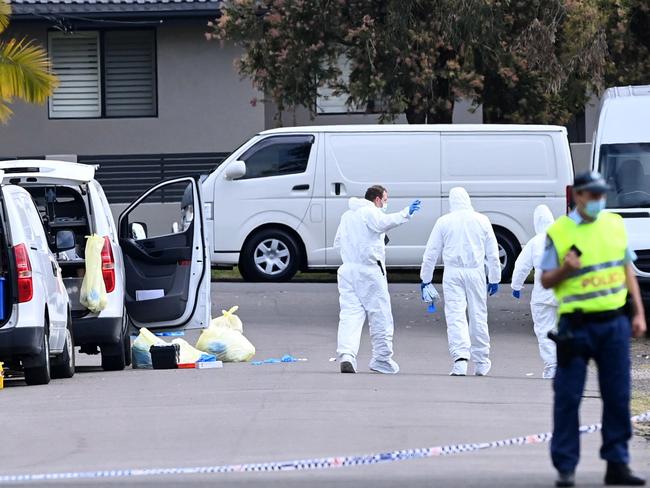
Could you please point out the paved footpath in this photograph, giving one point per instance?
(277, 412)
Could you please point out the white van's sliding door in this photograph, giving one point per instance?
(407, 164)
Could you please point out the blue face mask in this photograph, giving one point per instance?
(594, 207)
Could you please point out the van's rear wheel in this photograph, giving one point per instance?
(113, 355)
(40, 373)
(270, 255)
(509, 249)
(63, 365)
(127, 339)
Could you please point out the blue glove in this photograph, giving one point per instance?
(493, 288)
(429, 293)
(516, 294)
(415, 206)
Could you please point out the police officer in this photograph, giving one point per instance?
(588, 263)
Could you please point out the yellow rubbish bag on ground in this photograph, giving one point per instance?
(189, 354)
(93, 290)
(225, 339)
(140, 349)
(229, 319)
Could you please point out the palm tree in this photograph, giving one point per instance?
(24, 70)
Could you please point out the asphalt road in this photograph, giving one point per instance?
(278, 412)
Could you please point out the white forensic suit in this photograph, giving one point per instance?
(363, 288)
(543, 305)
(467, 243)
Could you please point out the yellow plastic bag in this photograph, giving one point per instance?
(189, 354)
(229, 319)
(140, 349)
(93, 291)
(227, 344)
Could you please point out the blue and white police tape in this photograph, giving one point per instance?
(306, 464)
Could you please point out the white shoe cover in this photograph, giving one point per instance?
(482, 369)
(384, 367)
(549, 372)
(348, 364)
(459, 369)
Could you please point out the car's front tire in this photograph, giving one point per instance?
(270, 255)
(509, 249)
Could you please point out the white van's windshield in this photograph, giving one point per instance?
(626, 167)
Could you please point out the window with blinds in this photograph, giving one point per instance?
(75, 60)
(104, 74)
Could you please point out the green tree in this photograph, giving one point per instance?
(540, 60)
(628, 42)
(288, 46)
(24, 69)
(524, 61)
(411, 57)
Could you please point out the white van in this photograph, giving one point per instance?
(274, 205)
(155, 269)
(35, 324)
(621, 152)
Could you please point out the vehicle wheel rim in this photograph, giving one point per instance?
(272, 257)
(503, 257)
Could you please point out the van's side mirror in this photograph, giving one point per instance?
(138, 230)
(235, 170)
(65, 240)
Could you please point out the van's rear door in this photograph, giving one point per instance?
(166, 265)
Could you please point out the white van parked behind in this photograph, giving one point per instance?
(155, 271)
(274, 205)
(621, 152)
(35, 330)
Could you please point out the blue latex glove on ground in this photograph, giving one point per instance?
(493, 288)
(516, 294)
(415, 206)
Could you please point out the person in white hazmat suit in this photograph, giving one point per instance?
(363, 288)
(543, 305)
(467, 243)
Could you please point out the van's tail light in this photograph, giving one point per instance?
(24, 268)
(569, 198)
(108, 265)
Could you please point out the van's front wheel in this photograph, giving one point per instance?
(271, 255)
(509, 249)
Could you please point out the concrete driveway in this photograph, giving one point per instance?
(277, 412)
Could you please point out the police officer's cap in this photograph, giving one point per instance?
(590, 181)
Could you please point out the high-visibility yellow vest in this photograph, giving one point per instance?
(600, 285)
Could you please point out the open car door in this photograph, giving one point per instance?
(166, 262)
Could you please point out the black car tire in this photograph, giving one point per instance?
(272, 255)
(509, 249)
